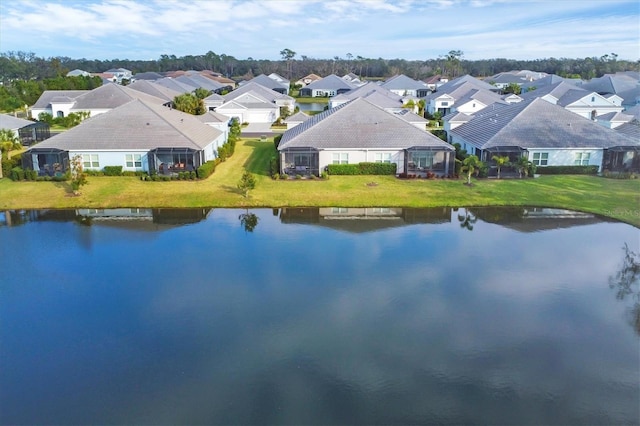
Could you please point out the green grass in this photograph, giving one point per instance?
(619, 199)
(309, 100)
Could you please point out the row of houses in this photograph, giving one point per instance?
(136, 127)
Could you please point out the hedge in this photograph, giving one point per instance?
(112, 170)
(362, 169)
(205, 170)
(567, 170)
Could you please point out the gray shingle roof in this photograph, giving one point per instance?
(478, 84)
(611, 83)
(537, 123)
(199, 81)
(375, 93)
(267, 82)
(150, 75)
(402, 82)
(154, 89)
(557, 90)
(212, 117)
(258, 90)
(297, 117)
(175, 85)
(137, 125)
(13, 123)
(355, 125)
(331, 82)
(44, 101)
(111, 96)
(631, 129)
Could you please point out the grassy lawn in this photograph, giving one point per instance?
(618, 199)
(309, 100)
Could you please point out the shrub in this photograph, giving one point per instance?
(166, 178)
(568, 170)
(275, 176)
(180, 175)
(324, 175)
(207, 169)
(298, 176)
(284, 176)
(274, 167)
(112, 170)
(17, 173)
(362, 169)
(192, 175)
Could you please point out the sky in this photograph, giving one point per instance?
(260, 29)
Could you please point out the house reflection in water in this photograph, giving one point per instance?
(356, 220)
(129, 218)
(534, 219)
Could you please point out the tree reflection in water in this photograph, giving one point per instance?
(249, 221)
(467, 220)
(627, 283)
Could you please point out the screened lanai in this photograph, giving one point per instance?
(46, 161)
(174, 160)
(300, 161)
(508, 170)
(34, 133)
(622, 159)
(424, 160)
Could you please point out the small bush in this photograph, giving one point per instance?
(166, 178)
(192, 175)
(207, 169)
(112, 170)
(284, 176)
(298, 176)
(180, 175)
(17, 174)
(324, 175)
(275, 176)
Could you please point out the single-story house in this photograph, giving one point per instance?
(374, 93)
(465, 94)
(60, 103)
(139, 136)
(120, 74)
(586, 103)
(308, 80)
(405, 86)
(296, 119)
(548, 135)
(263, 80)
(434, 82)
(253, 103)
(359, 131)
(329, 86)
(28, 132)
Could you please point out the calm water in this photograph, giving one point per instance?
(317, 316)
(313, 106)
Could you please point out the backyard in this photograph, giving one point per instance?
(618, 199)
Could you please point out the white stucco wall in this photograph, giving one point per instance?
(325, 157)
(115, 158)
(567, 157)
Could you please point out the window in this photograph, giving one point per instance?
(133, 160)
(90, 161)
(540, 158)
(338, 210)
(383, 157)
(423, 160)
(340, 158)
(582, 158)
(445, 103)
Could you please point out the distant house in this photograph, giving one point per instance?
(464, 94)
(150, 76)
(329, 86)
(434, 82)
(405, 86)
(254, 103)
(359, 131)
(280, 80)
(374, 93)
(176, 86)
(213, 101)
(139, 136)
(78, 73)
(60, 103)
(583, 102)
(217, 121)
(270, 83)
(548, 135)
(120, 74)
(296, 119)
(153, 89)
(304, 81)
(28, 132)
(624, 84)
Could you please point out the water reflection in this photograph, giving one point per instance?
(249, 221)
(626, 282)
(533, 219)
(325, 316)
(131, 218)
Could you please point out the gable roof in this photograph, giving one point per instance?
(266, 81)
(450, 85)
(111, 96)
(149, 75)
(374, 93)
(410, 116)
(153, 89)
(331, 82)
(612, 83)
(176, 85)
(402, 82)
(199, 82)
(136, 125)
(13, 123)
(297, 117)
(537, 123)
(264, 93)
(359, 124)
(212, 117)
(44, 101)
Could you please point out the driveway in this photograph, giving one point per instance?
(255, 130)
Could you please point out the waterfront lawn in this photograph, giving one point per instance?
(618, 199)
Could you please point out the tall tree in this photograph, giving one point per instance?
(288, 55)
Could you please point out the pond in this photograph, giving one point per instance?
(318, 316)
(313, 106)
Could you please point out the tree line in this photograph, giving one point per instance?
(29, 66)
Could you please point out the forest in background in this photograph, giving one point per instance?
(24, 75)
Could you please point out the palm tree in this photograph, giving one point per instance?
(523, 165)
(500, 161)
(470, 165)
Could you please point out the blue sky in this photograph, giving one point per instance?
(407, 29)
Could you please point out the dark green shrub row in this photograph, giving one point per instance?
(112, 170)
(362, 169)
(207, 169)
(166, 178)
(567, 170)
(18, 173)
(128, 173)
